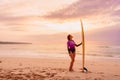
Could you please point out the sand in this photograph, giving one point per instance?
(54, 68)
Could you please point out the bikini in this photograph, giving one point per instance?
(71, 46)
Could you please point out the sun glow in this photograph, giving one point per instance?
(65, 27)
(70, 26)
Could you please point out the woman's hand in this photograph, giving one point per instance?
(81, 43)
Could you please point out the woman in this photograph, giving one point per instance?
(71, 50)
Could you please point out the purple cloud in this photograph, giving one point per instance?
(84, 8)
(116, 13)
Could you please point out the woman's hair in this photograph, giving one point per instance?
(68, 37)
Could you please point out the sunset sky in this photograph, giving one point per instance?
(33, 17)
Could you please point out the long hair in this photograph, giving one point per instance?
(68, 37)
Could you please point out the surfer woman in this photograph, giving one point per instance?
(71, 50)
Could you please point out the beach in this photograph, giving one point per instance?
(38, 36)
(56, 68)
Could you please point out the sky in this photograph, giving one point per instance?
(34, 17)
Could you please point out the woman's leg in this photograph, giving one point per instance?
(72, 56)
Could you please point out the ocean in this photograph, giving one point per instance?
(37, 50)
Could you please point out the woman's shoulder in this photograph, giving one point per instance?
(68, 41)
(72, 40)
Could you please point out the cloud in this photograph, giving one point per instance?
(23, 15)
(84, 9)
(8, 13)
(15, 15)
(19, 12)
(116, 13)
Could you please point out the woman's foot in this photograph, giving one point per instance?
(71, 70)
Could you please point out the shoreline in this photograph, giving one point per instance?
(56, 55)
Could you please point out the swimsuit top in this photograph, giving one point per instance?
(70, 44)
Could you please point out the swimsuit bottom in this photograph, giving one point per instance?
(71, 50)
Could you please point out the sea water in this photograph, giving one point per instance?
(37, 50)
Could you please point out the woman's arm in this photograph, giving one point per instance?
(78, 44)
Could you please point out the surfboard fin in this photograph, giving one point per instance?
(85, 69)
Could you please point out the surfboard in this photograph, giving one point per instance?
(83, 48)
